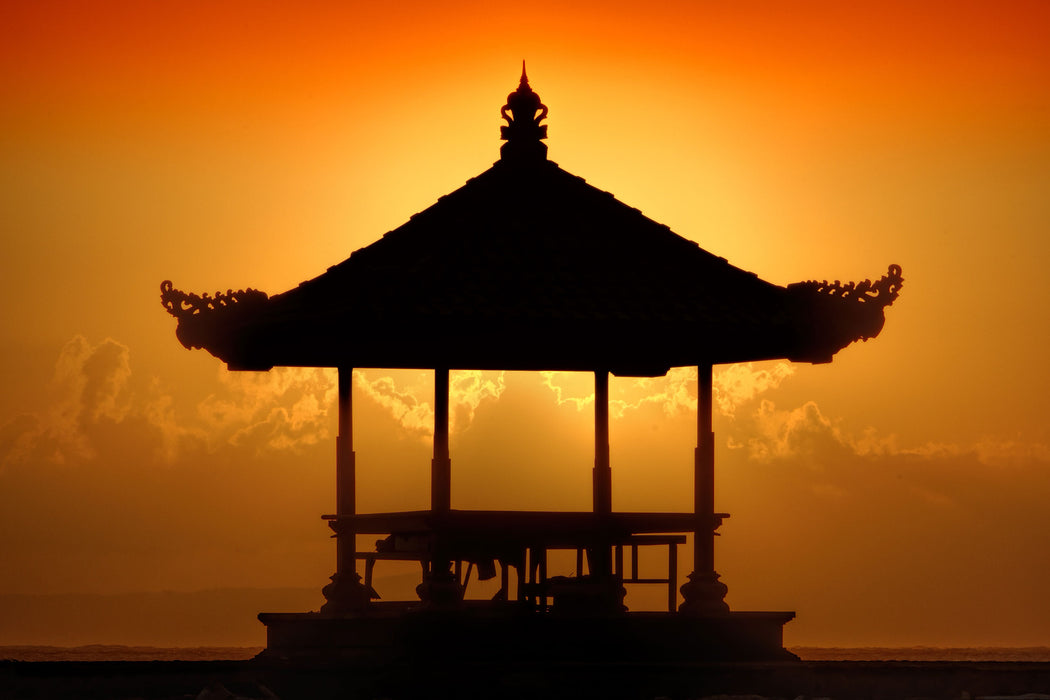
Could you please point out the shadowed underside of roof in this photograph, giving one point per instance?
(528, 267)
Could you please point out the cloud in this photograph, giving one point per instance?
(94, 392)
(404, 403)
(100, 375)
(554, 382)
(89, 386)
(407, 401)
(17, 438)
(286, 408)
(804, 435)
(733, 386)
(172, 435)
(672, 393)
(1004, 454)
(468, 389)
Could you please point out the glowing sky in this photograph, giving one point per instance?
(896, 496)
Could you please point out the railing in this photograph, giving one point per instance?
(533, 583)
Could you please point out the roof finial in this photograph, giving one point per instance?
(523, 131)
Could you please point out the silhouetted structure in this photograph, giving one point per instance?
(527, 267)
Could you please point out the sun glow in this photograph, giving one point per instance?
(256, 145)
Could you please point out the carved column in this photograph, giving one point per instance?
(600, 560)
(604, 592)
(345, 470)
(440, 587)
(703, 593)
(345, 593)
(441, 465)
(602, 475)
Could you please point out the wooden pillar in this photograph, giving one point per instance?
(704, 476)
(599, 558)
(440, 587)
(345, 594)
(703, 592)
(345, 472)
(441, 465)
(602, 475)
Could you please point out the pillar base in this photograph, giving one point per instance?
(414, 644)
(440, 591)
(586, 595)
(346, 594)
(704, 594)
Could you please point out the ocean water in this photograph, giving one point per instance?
(923, 653)
(116, 652)
(113, 652)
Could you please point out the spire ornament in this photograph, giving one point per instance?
(523, 132)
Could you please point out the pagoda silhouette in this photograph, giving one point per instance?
(528, 268)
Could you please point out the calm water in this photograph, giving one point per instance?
(114, 652)
(923, 653)
(100, 652)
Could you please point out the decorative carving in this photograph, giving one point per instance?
(346, 594)
(703, 594)
(523, 113)
(440, 589)
(182, 305)
(882, 293)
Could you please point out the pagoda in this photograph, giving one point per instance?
(528, 267)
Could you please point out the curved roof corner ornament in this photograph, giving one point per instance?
(204, 319)
(883, 292)
(843, 313)
(184, 305)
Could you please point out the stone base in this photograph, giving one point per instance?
(395, 635)
(346, 594)
(520, 679)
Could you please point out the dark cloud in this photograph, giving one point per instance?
(874, 542)
(120, 485)
(111, 487)
(93, 390)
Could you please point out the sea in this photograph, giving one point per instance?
(114, 652)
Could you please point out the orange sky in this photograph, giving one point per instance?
(896, 496)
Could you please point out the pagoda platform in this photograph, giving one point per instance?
(393, 634)
(528, 268)
(549, 619)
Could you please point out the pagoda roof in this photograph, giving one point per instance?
(528, 267)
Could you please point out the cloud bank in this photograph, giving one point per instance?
(123, 482)
(93, 391)
(411, 403)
